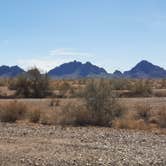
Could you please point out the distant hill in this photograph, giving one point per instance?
(117, 74)
(145, 69)
(13, 71)
(76, 69)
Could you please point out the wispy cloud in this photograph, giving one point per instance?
(44, 64)
(53, 59)
(68, 52)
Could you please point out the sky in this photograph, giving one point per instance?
(114, 34)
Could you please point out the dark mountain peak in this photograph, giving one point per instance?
(145, 69)
(16, 67)
(144, 64)
(88, 63)
(6, 71)
(117, 74)
(76, 69)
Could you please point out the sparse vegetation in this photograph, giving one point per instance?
(143, 111)
(33, 84)
(73, 114)
(12, 111)
(142, 88)
(83, 102)
(120, 84)
(162, 117)
(101, 103)
(34, 116)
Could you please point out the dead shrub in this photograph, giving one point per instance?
(162, 117)
(48, 118)
(54, 102)
(72, 114)
(142, 88)
(143, 111)
(129, 121)
(120, 84)
(34, 116)
(126, 123)
(64, 88)
(12, 111)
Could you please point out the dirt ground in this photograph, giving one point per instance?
(37, 145)
(44, 104)
(24, 144)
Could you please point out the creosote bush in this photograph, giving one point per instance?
(32, 84)
(142, 88)
(101, 103)
(12, 111)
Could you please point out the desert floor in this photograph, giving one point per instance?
(22, 144)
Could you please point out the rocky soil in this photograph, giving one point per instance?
(37, 145)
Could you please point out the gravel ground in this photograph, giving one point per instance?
(37, 145)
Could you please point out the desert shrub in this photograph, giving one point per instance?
(141, 88)
(33, 84)
(12, 83)
(73, 114)
(163, 84)
(120, 84)
(131, 121)
(34, 116)
(49, 118)
(12, 112)
(64, 88)
(162, 117)
(159, 93)
(101, 102)
(3, 81)
(143, 111)
(54, 102)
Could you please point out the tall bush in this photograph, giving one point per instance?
(101, 102)
(33, 84)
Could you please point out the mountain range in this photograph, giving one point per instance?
(75, 69)
(13, 71)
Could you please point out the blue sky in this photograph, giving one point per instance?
(114, 34)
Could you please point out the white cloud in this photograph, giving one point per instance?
(69, 52)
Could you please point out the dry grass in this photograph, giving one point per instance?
(143, 111)
(161, 116)
(34, 116)
(72, 114)
(12, 111)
